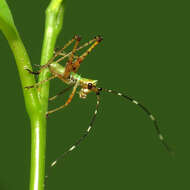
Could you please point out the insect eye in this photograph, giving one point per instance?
(90, 85)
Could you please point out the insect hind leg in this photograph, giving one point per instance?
(59, 52)
(69, 63)
(76, 64)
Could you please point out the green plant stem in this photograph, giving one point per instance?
(53, 25)
(38, 145)
(36, 101)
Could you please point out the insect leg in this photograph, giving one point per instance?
(76, 64)
(58, 52)
(52, 59)
(150, 115)
(32, 72)
(41, 82)
(60, 93)
(68, 67)
(82, 137)
(79, 48)
(63, 53)
(67, 102)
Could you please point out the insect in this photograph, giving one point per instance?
(68, 75)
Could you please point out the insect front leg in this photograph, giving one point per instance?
(68, 100)
(60, 93)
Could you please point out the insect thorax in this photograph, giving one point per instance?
(73, 78)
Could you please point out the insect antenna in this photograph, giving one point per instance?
(150, 115)
(86, 133)
(78, 141)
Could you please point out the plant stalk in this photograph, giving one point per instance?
(36, 101)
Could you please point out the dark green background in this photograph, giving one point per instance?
(145, 53)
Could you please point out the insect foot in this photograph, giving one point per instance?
(28, 87)
(77, 37)
(31, 72)
(99, 38)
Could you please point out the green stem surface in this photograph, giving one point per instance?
(53, 25)
(8, 28)
(36, 102)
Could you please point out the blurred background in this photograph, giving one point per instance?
(144, 54)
